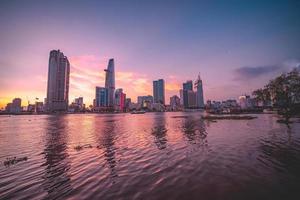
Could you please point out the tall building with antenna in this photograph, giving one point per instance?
(199, 92)
(110, 81)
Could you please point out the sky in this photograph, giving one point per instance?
(235, 45)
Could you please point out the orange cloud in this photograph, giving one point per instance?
(87, 72)
(173, 86)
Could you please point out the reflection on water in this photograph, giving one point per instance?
(194, 130)
(106, 142)
(159, 131)
(150, 156)
(57, 182)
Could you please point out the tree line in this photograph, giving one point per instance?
(282, 93)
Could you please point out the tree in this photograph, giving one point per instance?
(262, 95)
(284, 91)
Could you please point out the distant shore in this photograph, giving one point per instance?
(80, 113)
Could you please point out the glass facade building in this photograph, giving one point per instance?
(110, 82)
(101, 97)
(187, 86)
(159, 91)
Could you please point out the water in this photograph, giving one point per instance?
(150, 156)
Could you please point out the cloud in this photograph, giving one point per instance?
(245, 73)
(292, 64)
(173, 86)
(87, 73)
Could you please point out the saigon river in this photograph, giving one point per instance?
(149, 156)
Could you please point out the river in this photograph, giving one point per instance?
(148, 156)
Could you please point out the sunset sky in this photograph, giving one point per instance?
(236, 46)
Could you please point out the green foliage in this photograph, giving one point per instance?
(262, 95)
(283, 91)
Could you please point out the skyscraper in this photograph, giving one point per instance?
(79, 101)
(15, 106)
(127, 103)
(101, 99)
(192, 99)
(199, 97)
(58, 82)
(174, 102)
(159, 91)
(187, 86)
(120, 98)
(181, 97)
(110, 81)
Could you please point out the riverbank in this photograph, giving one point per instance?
(80, 113)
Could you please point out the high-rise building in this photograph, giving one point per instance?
(246, 102)
(79, 101)
(17, 102)
(181, 97)
(174, 102)
(120, 98)
(199, 96)
(187, 86)
(192, 99)
(77, 105)
(15, 106)
(185, 98)
(101, 99)
(159, 91)
(58, 82)
(110, 81)
(127, 103)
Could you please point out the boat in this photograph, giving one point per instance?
(138, 112)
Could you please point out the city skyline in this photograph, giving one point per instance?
(249, 42)
(160, 99)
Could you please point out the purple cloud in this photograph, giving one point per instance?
(254, 72)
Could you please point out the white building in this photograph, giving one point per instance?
(246, 102)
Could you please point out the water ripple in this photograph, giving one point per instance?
(151, 156)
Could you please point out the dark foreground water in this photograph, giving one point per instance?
(150, 156)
